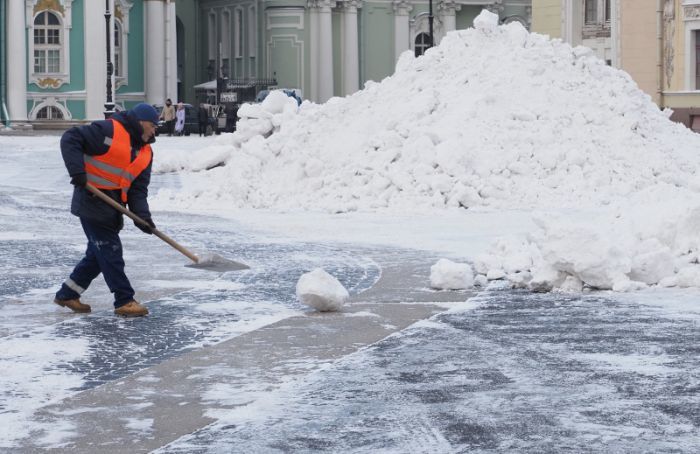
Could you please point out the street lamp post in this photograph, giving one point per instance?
(430, 23)
(109, 104)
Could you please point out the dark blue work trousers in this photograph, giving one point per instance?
(103, 255)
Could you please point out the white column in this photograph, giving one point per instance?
(171, 51)
(16, 59)
(154, 58)
(325, 83)
(449, 15)
(314, 52)
(351, 59)
(615, 33)
(402, 40)
(95, 60)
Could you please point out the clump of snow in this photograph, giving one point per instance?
(448, 275)
(321, 291)
(486, 21)
(614, 250)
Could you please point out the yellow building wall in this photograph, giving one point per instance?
(639, 44)
(679, 50)
(546, 17)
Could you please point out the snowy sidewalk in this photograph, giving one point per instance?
(158, 405)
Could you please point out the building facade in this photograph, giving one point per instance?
(63, 44)
(164, 48)
(325, 48)
(656, 41)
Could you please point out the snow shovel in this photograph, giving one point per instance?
(210, 261)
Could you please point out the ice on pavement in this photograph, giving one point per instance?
(448, 275)
(322, 291)
(494, 118)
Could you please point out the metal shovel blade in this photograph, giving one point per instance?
(215, 262)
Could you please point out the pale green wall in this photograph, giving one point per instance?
(465, 17)
(136, 50)
(376, 41)
(77, 49)
(77, 108)
(188, 13)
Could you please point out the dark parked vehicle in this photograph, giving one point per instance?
(191, 122)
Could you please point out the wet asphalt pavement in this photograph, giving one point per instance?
(520, 372)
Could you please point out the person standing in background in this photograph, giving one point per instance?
(168, 115)
(202, 119)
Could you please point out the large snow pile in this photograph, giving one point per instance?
(494, 116)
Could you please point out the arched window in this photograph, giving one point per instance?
(49, 113)
(47, 43)
(118, 49)
(422, 43)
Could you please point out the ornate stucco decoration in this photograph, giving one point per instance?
(449, 6)
(691, 12)
(323, 5)
(49, 82)
(402, 7)
(53, 5)
(669, 35)
(496, 7)
(350, 4)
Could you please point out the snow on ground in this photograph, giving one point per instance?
(49, 354)
(494, 118)
(572, 179)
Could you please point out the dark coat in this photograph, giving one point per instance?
(90, 140)
(202, 115)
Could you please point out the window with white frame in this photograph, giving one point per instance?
(591, 14)
(47, 43)
(597, 12)
(239, 33)
(49, 113)
(596, 19)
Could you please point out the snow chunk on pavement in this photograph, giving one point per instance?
(321, 291)
(449, 275)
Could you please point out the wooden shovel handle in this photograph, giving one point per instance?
(117, 206)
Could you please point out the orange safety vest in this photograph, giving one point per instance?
(114, 169)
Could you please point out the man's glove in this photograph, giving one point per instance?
(79, 180)
(146, 229)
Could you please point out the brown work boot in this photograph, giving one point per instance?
(131, 309)
(74, 305)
